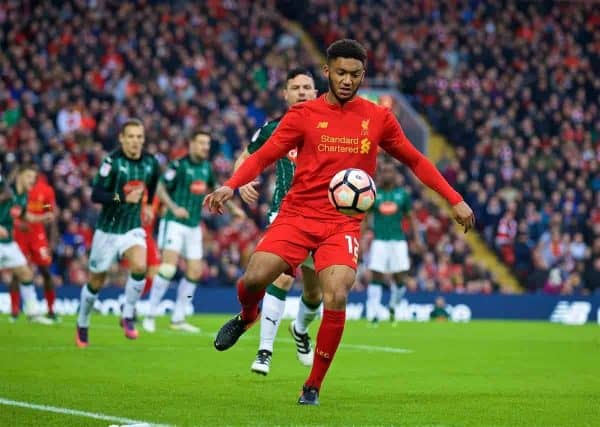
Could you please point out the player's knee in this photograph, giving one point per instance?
(24, 274)
(167, 270)
(255, 280)
(284, 282)
(97, 281)
(138, 269)
(335, 299)
(313, 296)
(193, 275)
(399, 278)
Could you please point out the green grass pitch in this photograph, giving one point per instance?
(475, 374)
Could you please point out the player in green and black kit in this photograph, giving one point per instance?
(389, 250)
(182, 189)
(13, 203)
(299, 87)
(119, 186)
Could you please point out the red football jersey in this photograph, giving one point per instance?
(330, 138)
(40, 199)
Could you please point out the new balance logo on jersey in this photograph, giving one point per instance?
(322, 125)
(571, 313)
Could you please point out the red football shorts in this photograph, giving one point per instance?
(293, 237)
(35, 247)
(152, 252)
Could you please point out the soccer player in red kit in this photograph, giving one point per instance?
(152, 252)
(32, 238)
(336, 131)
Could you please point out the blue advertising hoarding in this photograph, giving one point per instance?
(414, 306)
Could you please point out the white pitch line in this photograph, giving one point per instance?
(77, 413)
(376, 348)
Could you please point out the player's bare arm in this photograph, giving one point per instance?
(247, 192)
(3, 232)
(164, 197)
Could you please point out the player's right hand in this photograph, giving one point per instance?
(248, 193)
(135, 195)
(217, 199)
(3, 232)
(181, 213)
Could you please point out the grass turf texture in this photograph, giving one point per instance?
(481, 373)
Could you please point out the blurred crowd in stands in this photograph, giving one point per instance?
(511, 85)
(515, 87)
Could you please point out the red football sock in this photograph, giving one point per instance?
(50, 297)
(328, 340)
(249, 301)
(147, 286)
(15, 302)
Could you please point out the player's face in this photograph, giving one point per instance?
(299, 89)
(200, 147)
(345, 76)
(27, 178)
(132, 141)
(388, 175)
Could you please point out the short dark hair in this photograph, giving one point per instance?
(130, 122)
(295, 72)
(200, 131)
(347, 48)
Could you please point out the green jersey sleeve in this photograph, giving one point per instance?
(169, 177)
(105, 177)
(261, 136)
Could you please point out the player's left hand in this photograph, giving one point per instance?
(3, 232)
(147, 214)
(217, 199)
(463, 214)
(248, 193)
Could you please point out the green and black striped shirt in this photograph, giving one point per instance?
(187, 183)
(119, 174)
(285, 168)
(15, 201)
